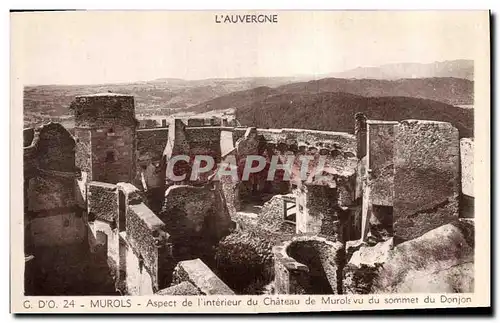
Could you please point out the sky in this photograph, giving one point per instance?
(104, 47)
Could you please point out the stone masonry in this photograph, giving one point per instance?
(427, 177)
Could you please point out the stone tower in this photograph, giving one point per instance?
(105, 131)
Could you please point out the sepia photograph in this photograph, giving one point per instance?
(232, 154)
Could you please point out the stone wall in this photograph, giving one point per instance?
(151, 164)
(183, 289)
(57, 230)
(50, 170)
(113, 154)
(105, 128)
(467, 163)
(177, 144)
(151, 144)
(137, 280)
(381, 161)
(56, 148)
(244, 261)
(319, 139)
(271, 218)
(83, 150)
(103, 110)
(48, 192)
(190, 210)
(467, 169)
(147, 236)
(309, 265)
(198, 274)
(29, 163)
(191, 141)
(102, 201)
(204, 141)
(226, 142)
(440, 261)
(230, 191)
(103, 242)
(302, 141)
(204, 122)
(248, 144)
(150, 147)
(427, 177)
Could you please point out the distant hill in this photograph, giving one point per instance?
(461, 68)
(335, 111)
(157, 97)
(447, 90)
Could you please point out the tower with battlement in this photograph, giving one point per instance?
(105, 131)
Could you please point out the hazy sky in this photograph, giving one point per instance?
(102, 47)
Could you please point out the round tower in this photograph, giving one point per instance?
(105, 131)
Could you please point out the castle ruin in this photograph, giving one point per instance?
(102, 218)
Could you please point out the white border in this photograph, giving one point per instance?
(148, 4)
